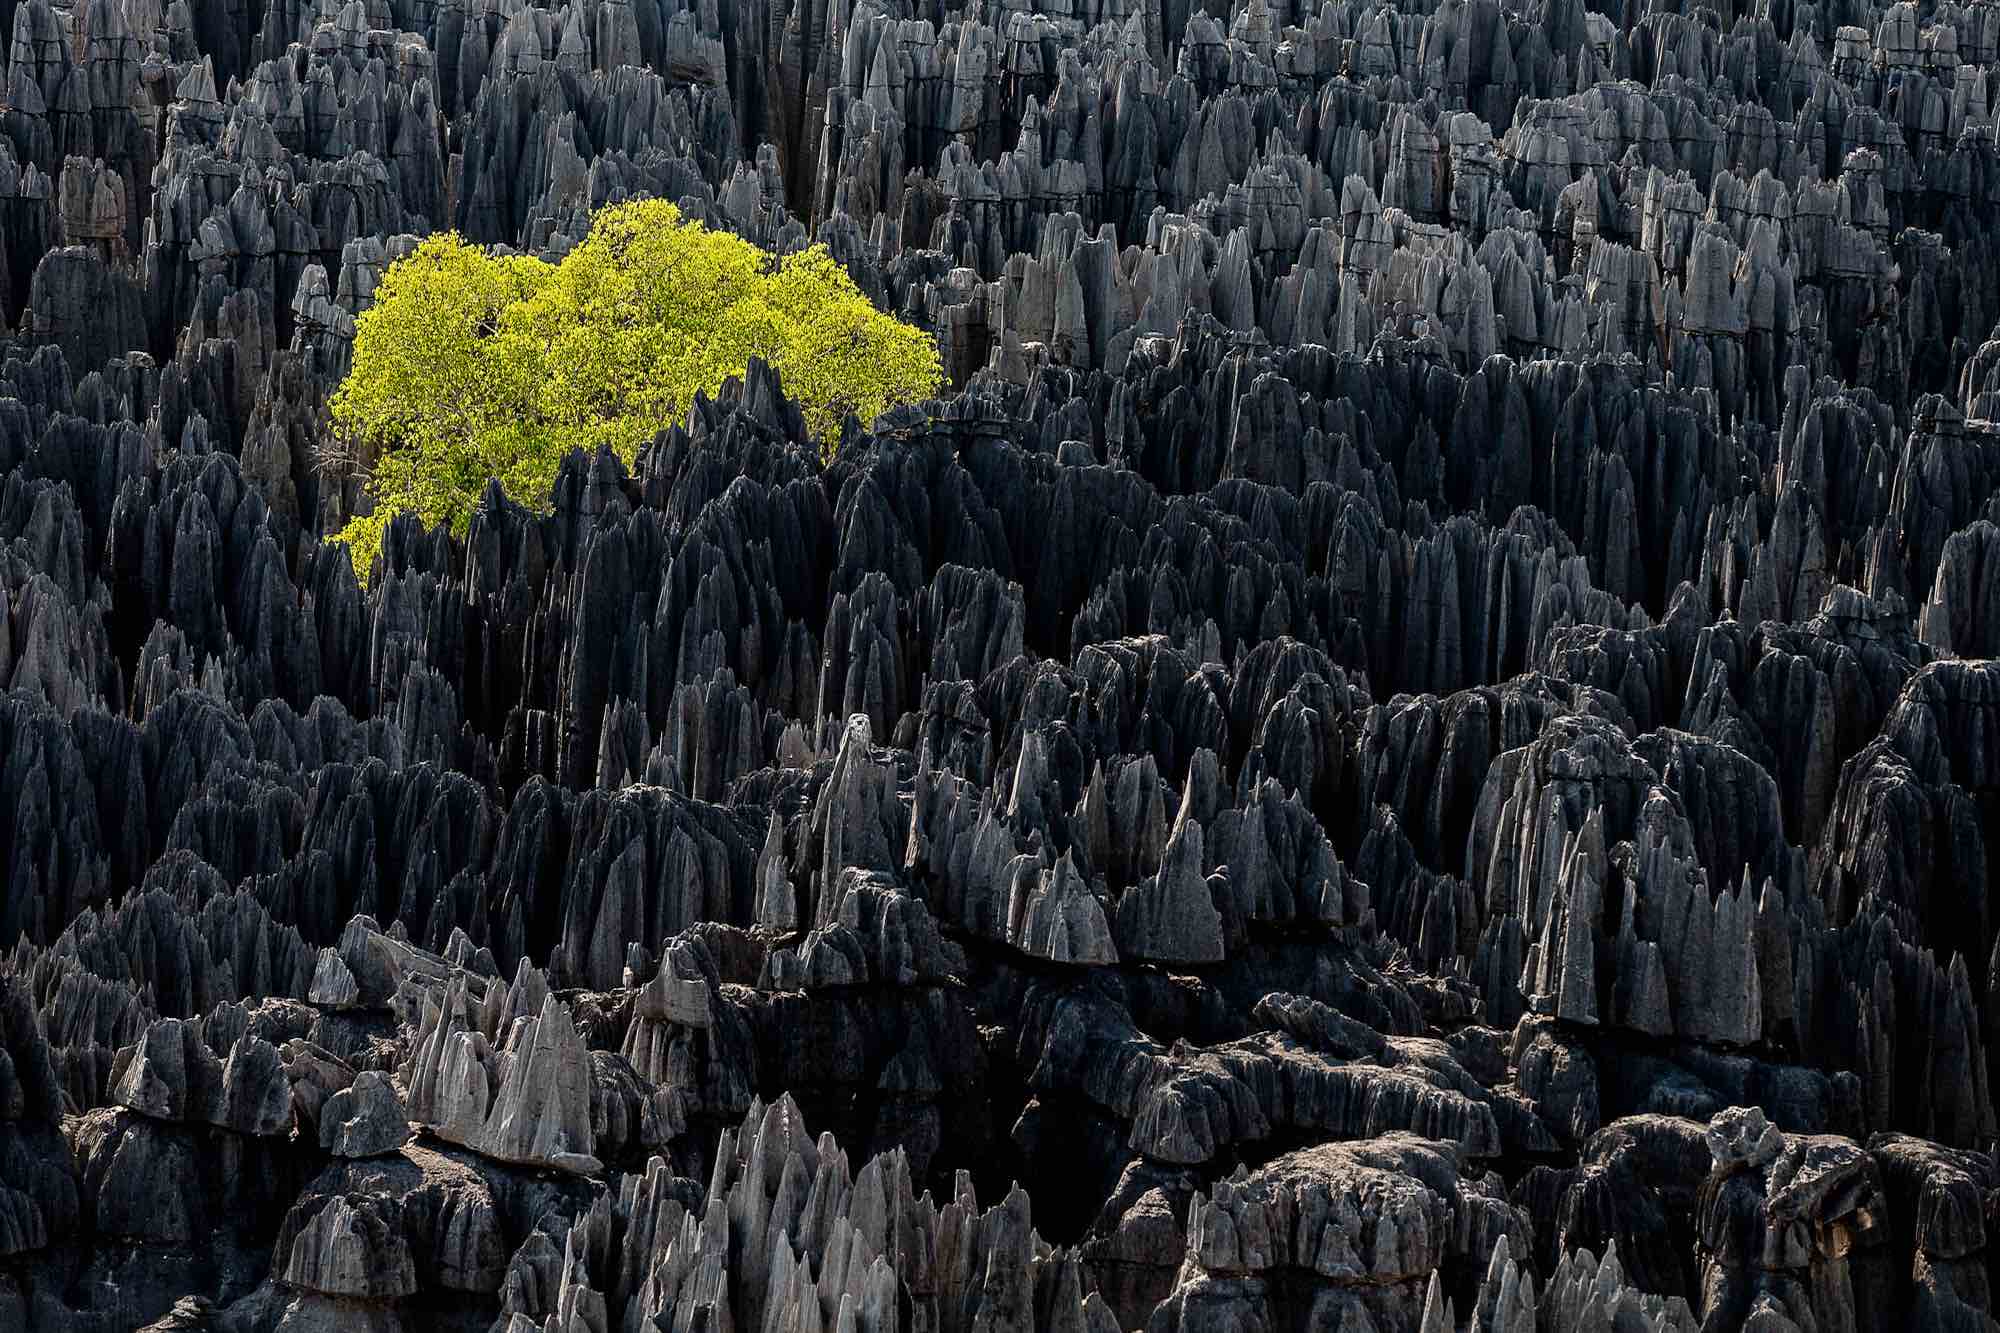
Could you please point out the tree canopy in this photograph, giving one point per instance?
(471, 365)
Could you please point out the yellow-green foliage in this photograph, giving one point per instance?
(471, 366)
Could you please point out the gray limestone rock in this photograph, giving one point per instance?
(364, 1119)
(1446, 588)
(172, 1074)
(515, 1086)
(1170, 917)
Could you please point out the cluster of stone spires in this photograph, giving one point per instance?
(1414, 743)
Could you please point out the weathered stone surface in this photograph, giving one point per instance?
(172, 1074)
(1449, 591)
(520, 1093)
(364, 1119)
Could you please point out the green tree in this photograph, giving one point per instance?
(469, 365)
